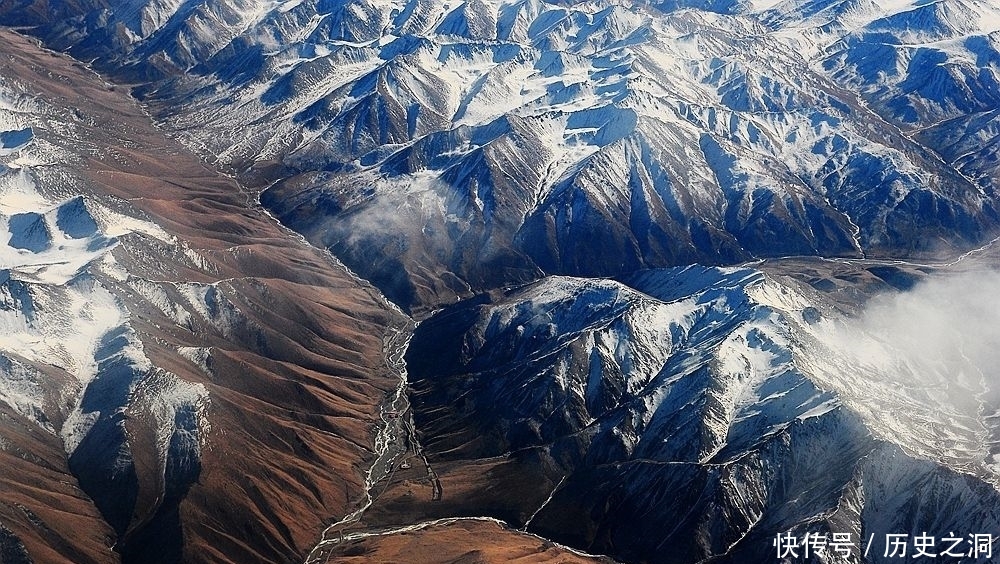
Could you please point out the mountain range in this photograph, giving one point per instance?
(624, 245)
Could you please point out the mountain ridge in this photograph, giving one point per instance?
(572, 198)
(718, 152)
(153, 378)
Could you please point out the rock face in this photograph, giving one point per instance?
(180, 377)
(678, 416)
(474, 145)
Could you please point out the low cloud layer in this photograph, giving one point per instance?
(924, 367)
(947, 322)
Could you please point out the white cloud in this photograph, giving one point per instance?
(923, 368)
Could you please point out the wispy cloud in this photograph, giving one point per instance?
(924, 366)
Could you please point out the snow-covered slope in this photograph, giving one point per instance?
(707, 410)
(930, 68)
(71, 361)
(164, 347)
(57, 313)
(443, 149)
(495, 140)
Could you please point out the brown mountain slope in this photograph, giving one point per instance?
(458, 542)
(287, 344)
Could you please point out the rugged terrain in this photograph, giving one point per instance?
(688, 275)
(693, 414)
(180, 375)
(470, 145)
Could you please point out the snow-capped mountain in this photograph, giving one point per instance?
(693, 414)
(73, 364)
(146, 336)
(192, 375)
(470, 144)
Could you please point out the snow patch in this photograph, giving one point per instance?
(22, 388)
(200, 356)
(171, 400)
(919, 366)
